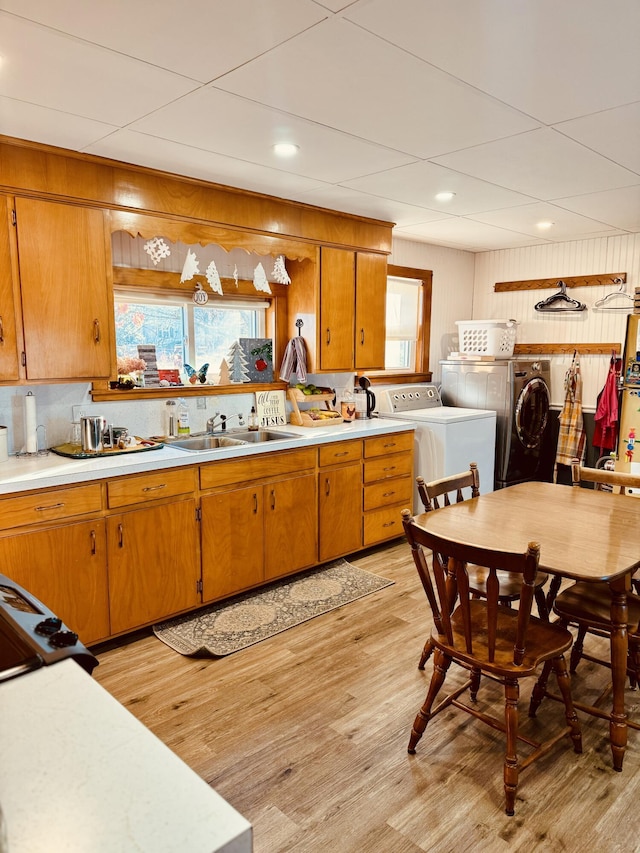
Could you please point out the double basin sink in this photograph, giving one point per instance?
(199, 443)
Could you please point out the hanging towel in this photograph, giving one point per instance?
(571, 436)
(295, 360)
(605, 434)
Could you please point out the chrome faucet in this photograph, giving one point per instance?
(211, 423)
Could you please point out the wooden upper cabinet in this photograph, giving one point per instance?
(371, 309)
(9, 359)
(67, 304)
(337, 305)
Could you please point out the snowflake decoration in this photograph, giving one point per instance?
(190, 267)
(280, 273)
(260, 279)
(235, 274)
(157, 249)
(213, 278)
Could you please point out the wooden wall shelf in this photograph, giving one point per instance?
(614, 278)
(566, 349)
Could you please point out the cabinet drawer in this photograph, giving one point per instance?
(251, 468)
(341, 451)
(150, 487)
(384, 467)
(49, 506)
(382, 524)
(388, 492)
(385, 444)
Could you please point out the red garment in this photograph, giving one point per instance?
(605, 434)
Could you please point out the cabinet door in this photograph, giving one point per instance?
(9, 370)
(337, 305)
(340, 511)
(65, 567)
(66, 303)
(291, 525)
(371, 309)
(232, 542)
(153, 564)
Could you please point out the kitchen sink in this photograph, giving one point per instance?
(197, 443)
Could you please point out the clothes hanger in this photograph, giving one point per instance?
(560, 301)
(604, 303)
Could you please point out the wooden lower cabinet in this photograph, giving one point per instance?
(340, 510)
(256, 533)
(154, 563)
(388, 486)
(66, 568)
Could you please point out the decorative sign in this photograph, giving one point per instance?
(270, 409)
(147, 352)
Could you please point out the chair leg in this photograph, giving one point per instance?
(564, 683)
(539, 689)
(441, 664)
(541, 601)
(634, 665)
(426, 653)
(554, 588)
(475, 684)
(511, 695)
(576, 650)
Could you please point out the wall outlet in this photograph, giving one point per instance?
(201, 402)
(77, 413)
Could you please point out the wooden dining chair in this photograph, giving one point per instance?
(435, 495)
(588, 605)
(488, 638)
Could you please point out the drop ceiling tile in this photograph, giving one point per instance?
(200, 40)
(552, 60)
(542, 164)
(137, 148)
(566, 225)
(465, 234)
(40, 124)
(362, 204)
(79, 78)
(418, 184)
(340, 76)
(620, 208)
(613, 133)
(226, 124)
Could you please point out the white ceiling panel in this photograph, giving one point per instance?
(343, 77)
(224, 123)
(552, 60)
(542, 164)
(522, 109)
(155, 153)
(419, 182)
(200, 39)
(49, 69)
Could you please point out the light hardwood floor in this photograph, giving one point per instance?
(306, 735)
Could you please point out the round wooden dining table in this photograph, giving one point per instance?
(584, 534)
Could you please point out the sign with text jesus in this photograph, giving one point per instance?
(270, 409)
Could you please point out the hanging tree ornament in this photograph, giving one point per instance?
(260, 279)
(280, 273)
(213, 278)
(190, 267)
(200, 297)
(157, 249)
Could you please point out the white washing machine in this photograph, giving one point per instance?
(446, 438)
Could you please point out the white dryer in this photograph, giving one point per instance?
(447, 438)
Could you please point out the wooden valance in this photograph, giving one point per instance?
(566, 349)
(570, 281)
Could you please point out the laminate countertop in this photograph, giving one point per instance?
(80, 774)
(26, 473)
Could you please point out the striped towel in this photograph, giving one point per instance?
(571, 436)
(295, 360)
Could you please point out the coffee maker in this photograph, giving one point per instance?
(365, 399)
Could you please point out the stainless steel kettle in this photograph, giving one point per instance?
(92, 429)
(366, 410)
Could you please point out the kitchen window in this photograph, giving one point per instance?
(185, 333)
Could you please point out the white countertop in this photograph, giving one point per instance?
(23, 473)
(80, 774)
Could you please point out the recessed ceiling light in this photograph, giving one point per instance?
(544, 225)
(285, 149)
(447, 196)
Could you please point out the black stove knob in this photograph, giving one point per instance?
(63, 638)
(48, 626)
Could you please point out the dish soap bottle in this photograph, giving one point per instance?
(253, 419)
(183, 418)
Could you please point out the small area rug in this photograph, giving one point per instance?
(253, 616)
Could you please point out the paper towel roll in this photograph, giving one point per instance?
(30, 424)
(4, 450)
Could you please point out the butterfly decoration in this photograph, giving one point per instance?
(197, 375)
